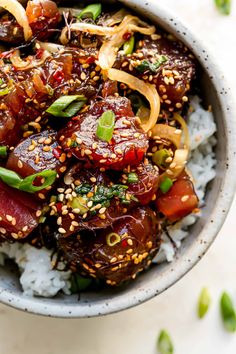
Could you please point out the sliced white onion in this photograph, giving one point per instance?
(50, 47)
(184, 126)
(18, 11)
(167, 132)
(116, 18)
(178, 164)
(147, 90)
(30, 63)
(109, 49)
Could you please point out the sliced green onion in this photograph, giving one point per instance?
(147, 65)
(112, 239)
(228, 312)
(80, 203)
(27, 185)
(106, 125)
(4, 91)
(224, 6)
(67, 106)
(3, 151)
(164, 343)
(79, 283)
(132, 177)
(9, 177)
(204, 302)
(91, 11)
(128, 46)
(159, 157)
(166, 184)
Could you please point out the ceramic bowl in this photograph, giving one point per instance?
(219, 197)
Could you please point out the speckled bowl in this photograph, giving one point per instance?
(219, 197)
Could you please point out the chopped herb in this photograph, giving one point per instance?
(128, 47)
(132, 178)
(112, 239)
(79, 283)
(224, 6)
(3, 151)
(73, 144)
(83, 189)
(164, 343)
(147, 65)
(228, 312)
(103, 196)
(13, 180)
(166, 184)
(80, 203)
(203, 302)
(106, 125)
(67, 106)
(91, 11)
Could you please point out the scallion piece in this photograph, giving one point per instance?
(224, 6)
(228, 312)
(166, 184)
(147, 65)
(106, 125)
(91, 11)
(136, 102)
(9, 177)
(203, 302)
(132, 177)
(112, 239)
(128, 46)
(4, 91)
(67, 106)
(159, 157)
(13, 180)
(3, 151)
(164, 343)
(27, 185)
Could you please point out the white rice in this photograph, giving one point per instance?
(37, 276)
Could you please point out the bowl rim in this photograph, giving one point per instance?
(136, 296)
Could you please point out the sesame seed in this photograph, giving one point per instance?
(2, 230)
(9, 218)
(178, 131)
(25, 228)
(169, 172)
(72, 228)
(83, 76)
(88, 152)
(96, 78)
(169, 159)
(14, 235)
(93, 179)
(185, 198)
(102, 210)
(76, 210)
(59, 220)
(130, 242)
(31, 147)
(185, 99)
(46, 148)
(113, 156)
(61, 230)
(178, 105)
(19, 164)
(113, 260)
(97, 265)
(74, 223)
(13, 221)
(90, 204)
(41, 196)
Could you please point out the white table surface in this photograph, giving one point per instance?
(135, 331)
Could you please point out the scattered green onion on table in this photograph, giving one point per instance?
(164, 343)
(204, 302)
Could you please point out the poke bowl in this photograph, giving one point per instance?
(117, 151)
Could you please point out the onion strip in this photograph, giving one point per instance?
(184, 126)
(18, 11)
(29, 63)
(50, 47)
(165, 131)
(178, 163)
(147, 90)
